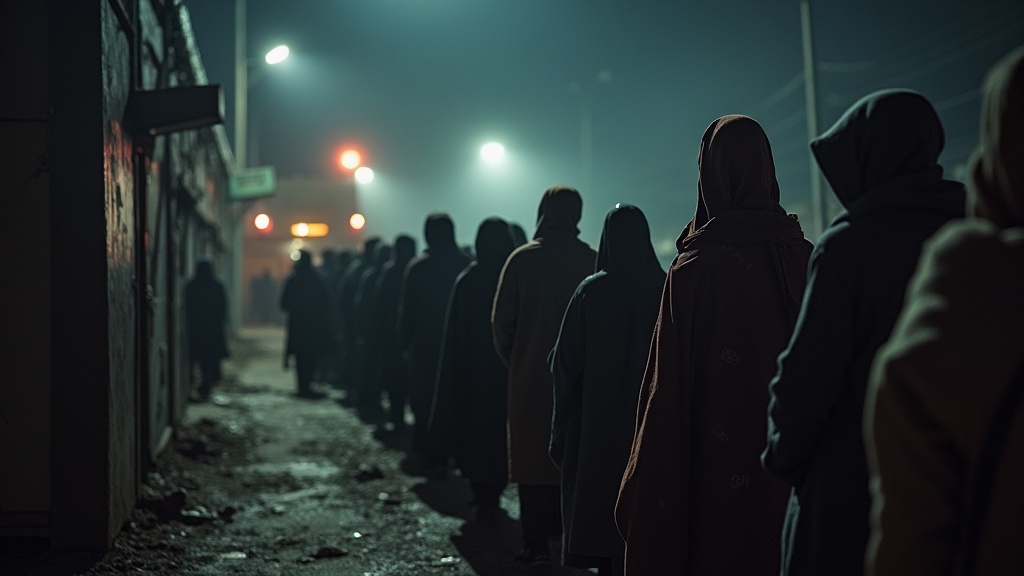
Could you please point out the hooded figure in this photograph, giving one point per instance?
(946, 376)
(368, 332)
(424, 302)
(468, 418)
(393, 370)
(881, 159)
(536, 284)
(347, 294)
(305, 300)
(598, 364)
(205, 315)
(518, 234)
(694, 498)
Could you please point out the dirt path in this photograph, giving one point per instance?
(260, 482)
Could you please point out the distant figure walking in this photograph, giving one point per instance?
(305, 300)
(598, 365)
(881, 159)
(425, 292)
(536, 284)
(944, 418)
(469, 412)
(694, 498)
(205, 316)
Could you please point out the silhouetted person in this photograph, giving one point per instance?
(944, 412)
(262, 290)
(335, 279)
(881, 159)
(304, 299)
(424, 302)
(393, 370)
(368, 334)
(518, 234)
(598, 364)
(536, 284)
(347, 313)
(694, 498)
(205, 316)
(469, 411)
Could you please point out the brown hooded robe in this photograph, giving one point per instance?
(694, 498)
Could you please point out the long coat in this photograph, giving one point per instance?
(425, 291)
(881, 160)
(393, 370)
(205, 314)
(694, 498)
(956, 350)
(598, 364)
(469, 411)
(305, 300)
(536, 284)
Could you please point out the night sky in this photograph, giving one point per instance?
(420, 85)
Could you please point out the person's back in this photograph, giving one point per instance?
(393, 370)
(205, 319)
(945, 434)
(305, 300)
(881, 159)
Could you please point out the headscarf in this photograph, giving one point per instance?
(889, 134)
(559, 212)
(996, 190)
(626, 242)
(493, 244)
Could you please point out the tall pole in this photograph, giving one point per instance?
(586, 139)
(241, 136)
(811, 97)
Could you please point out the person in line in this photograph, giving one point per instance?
(206, 312)
(468, 416)
(694, 498)
(881, 159)
(368, 333)
(426, 288)
(943, 419)
(393, 370)
(598, 363)
(536, 283)
(305, 301)
(347, 292)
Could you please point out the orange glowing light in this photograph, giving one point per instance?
(263, 222)
(350, 159)
(310, 229)
(357, 221)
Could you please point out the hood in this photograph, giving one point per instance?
(518, 234)
(204, 270)
(626, 242)
(559, 212)
(381, 255)
(736, 170)
(369, 248)
(405, 250)
(885, 135)
(996, 190)
(493, 243)
(439, 231)
(304, 263)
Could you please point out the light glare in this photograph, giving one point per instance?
(277, 55)
(350, 159)
(357, 221)
(262, 221)
(364, 175)
(492, 152)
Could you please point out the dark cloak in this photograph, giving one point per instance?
(694, 498)
(955, 352)
(598, 364)
(425, 292)
(881, 159)
(393, 370)
(305, 300)
(205, 314)
(468, 418)
(536, 284)
(346, 309)
(368, 327)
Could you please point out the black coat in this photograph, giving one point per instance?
(469, 411)
(393, 370)
(881, 160)
(206, 314)
(598, 366)
(305, 300)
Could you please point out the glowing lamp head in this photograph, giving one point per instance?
(350, 159)
(364, 175)
(262, 222)
(277, 55)
(492, 152)
(357, 221)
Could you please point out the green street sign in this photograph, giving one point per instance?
(252, 183)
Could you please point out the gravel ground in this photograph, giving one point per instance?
(260, 482)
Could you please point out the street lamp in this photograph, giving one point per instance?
(364, 175)
(492, 152)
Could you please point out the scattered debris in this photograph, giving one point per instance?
(330, 552)
(367, 473)
(236, 555)
(389, 499)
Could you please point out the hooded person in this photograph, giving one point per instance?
(368, 332)
(598, 363)
(943, 422)
(305, 301)
(518, 234)
(469, 411)
(881, 159)
(536, 283)
(694, 498)
(393, 370)
(424, 302)
(347, 294)
(205, 316)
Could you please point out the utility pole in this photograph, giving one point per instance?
(811, 97)
(241, 137)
